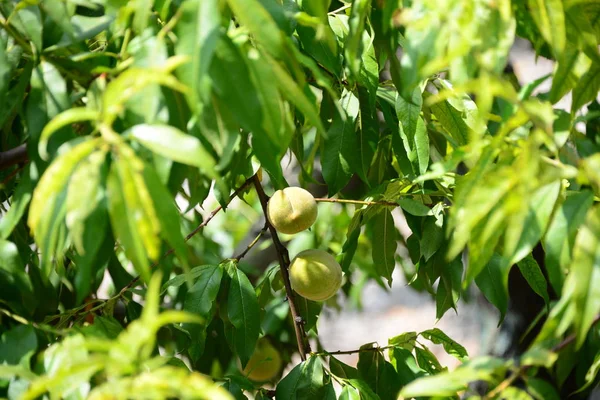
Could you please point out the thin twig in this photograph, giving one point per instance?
(504, 384)
(41, 327)
(251, 245)
(332, 353)
(284, 264)
(12, 174)
(517, 373)
(339, 9)
(361, 202)
(191, 234)
(571, 338)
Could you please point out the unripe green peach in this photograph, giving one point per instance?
(265, 363)
(292, 210)
(315, 275)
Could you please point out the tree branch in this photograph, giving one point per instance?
(332, 353)
(284, 264)
(214, 212)
(14, 156)
(251, 245)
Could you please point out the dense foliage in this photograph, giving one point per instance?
(112, 110)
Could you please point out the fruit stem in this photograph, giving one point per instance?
(284, 264)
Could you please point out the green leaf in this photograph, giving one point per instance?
(356, 23)
(564, 78)
(167, 213)
(449, 383)
(175, 145)
(541, 205)
(198, 31)
(51, 185)
(405, 364)
(18, 204)
(538, 356)
(28, 21)
(583, 282)
(414, 207)
(5, 68)
(201, 296)
(452, 347)
(47, 98)
(379, 374)
(541, 389)
(433, 236)
(17, 288)
(244, 314)
(63, 119)
(305, 381)
(384, 244)
(412, 130)
(427, 360)
(83, 195)
(493, 283)
(587, 88)
(450, 285)
(549, 17)
(349, 393)
(259, 22)
(17, 343)
(295, 95)
(535, 278)
(342, 370)
(405, 340)
(309, 311)
(131, 211)
(340, 156)
(591, 374)
(452, 121)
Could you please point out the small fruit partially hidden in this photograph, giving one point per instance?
(265, 363)
(315, 275)
(292, 210)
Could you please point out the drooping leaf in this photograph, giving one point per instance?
(384, 244)
(201, 296)
(451, 346)
(379, 374)
(549, 17)
(244, 314)
(493, 283)
(583, 283)
(259, 22)
(340, 156)
(197, 36)
(305, 381)
(535, 278)
(175, 145)
(587, 88)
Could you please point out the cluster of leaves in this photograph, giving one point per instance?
(403, 105)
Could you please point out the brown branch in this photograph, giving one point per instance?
(251, 245)
(284, 264)
(332, 353)
(14, 156)
(12, 174)
(190, 235)
(571, 338)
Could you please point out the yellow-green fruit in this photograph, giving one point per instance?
(292, 210)
(315, 275)
(265, 363)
